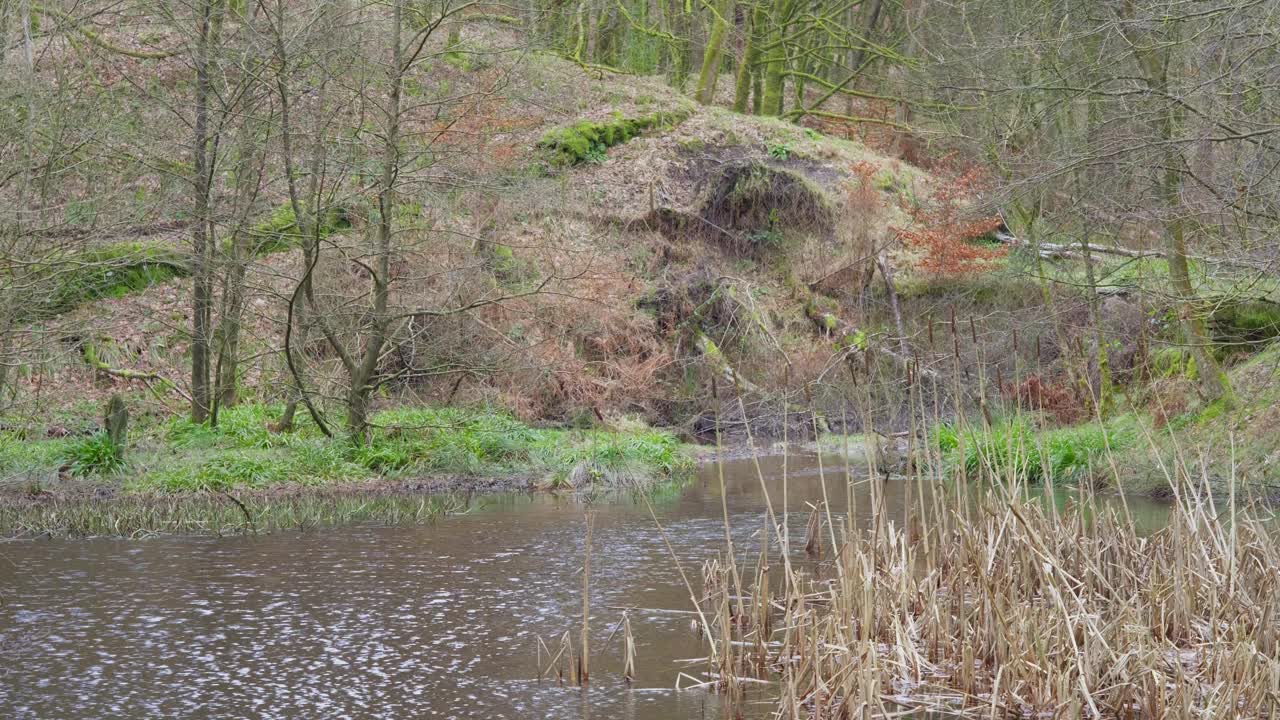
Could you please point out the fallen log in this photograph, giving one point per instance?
(720, 363)
(848, 338)
(1073, 250)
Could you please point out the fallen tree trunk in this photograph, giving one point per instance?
(720, 363)
(1050, 250)
(1055, 251)
(848, 338)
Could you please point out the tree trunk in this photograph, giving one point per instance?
(304, 211)
(1213, 382)
(750, 56)
(1155, 55)
(710, 74)
(362, 375)
(775, 78)
(891, 290)
(248, 183)
(201, 243)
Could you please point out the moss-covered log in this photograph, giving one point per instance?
(110, 271)
(116, 270)
(587, 140)
(721, 366)
(850, 339)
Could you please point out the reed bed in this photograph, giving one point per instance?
(992, 604)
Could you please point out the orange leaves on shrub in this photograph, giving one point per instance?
(862, 198)
(945, 234)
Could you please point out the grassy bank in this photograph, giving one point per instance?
(1212, 442)
(1015, 449)
(177, 474)
(1167, 436)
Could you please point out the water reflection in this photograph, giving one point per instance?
(369, 622)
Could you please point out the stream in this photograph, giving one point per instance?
(439, 621)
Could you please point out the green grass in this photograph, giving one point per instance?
(452, 440)
(1013, 448)
(27, 459)
(242, 452)
(95, 455)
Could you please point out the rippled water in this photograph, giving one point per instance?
(365, 622)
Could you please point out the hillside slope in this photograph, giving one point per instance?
(588, 248)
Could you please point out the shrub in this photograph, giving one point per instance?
(1054, 398)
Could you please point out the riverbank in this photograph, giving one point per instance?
(173, 476)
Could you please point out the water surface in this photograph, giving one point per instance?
(371, 622)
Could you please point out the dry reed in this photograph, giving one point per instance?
(993, 604)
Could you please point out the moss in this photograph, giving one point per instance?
(279, 232)
(1173, 362)
(111, 271)
(1213, 411)
(711, 350)
(1244, 326)
(587, 140)
(692, 144)
(856, 339)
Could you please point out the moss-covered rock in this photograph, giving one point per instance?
(1173, 362)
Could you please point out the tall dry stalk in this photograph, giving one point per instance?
(582, 667)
